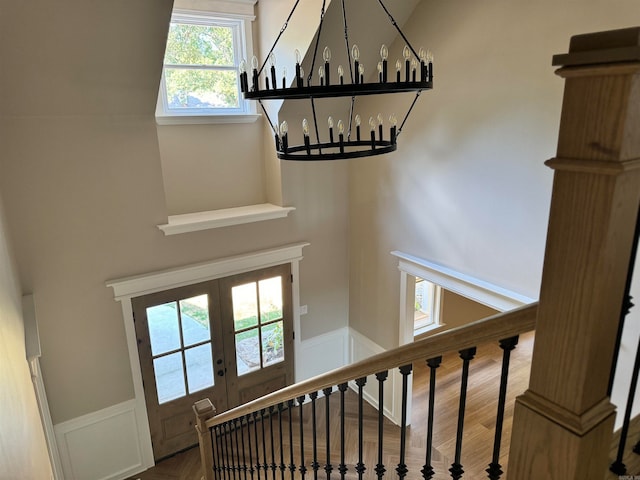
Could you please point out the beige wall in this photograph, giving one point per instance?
(81, 179)
(467, 187)
(457, 310)
(23, 451)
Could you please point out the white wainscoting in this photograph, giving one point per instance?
(360, 348)
(102, 445)
(322, 353)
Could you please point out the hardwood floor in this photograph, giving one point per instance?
(478, 438)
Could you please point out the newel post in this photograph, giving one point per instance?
(563, 423)
(205, 410)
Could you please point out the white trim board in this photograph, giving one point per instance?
(102, 445)
(483, 292)
(127, 288)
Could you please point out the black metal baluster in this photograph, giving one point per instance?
(292, 465)
(225, 449)
(242, 450)
(433, 363)
(215, 440)
(302, 468)
(327, 466)
(495, 469)
(618, 466)
(236, 454)
(402, 469)
(273, 453)
(283, 467)
(238, 450)
(265, 465)
(381, 377)
(342, 468)
(255, 434)
(466, 356)
(360, 468)
(314, 464)
(251, 468)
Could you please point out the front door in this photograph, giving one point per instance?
(229, 340)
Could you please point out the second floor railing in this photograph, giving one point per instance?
(304, 430)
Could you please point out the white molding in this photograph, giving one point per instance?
(45, 417)
(127, 288)
(483, 292)
(193, 222)
(191, 119)
(322, 353)
(96, 445)
(393, 385)
(200, 272)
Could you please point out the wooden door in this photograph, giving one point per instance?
(181, 354)
(257, 318)
(229, 340)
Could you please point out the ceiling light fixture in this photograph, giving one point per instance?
(416, 77)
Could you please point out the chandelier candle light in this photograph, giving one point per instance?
(418, 76)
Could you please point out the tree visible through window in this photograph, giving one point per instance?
(200, 66)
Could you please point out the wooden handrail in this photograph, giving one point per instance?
(494, 328)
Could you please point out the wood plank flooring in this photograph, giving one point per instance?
(478, 438)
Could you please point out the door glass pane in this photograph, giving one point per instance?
(245, 306)
(194, 313)
(272, 344)
(164, 330)
(199, 367)
(169, 377)
(247, 351)
(270, 299)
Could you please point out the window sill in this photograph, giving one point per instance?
(205, 119)
(420, 333)
(193, 222)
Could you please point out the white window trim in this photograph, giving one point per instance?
(127, 288)
(488, 294)
(435, 311)
(247, 111)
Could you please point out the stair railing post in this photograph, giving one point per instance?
(563, 423)
(205, 410)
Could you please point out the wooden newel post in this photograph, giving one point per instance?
(563, 423)
(205, 410)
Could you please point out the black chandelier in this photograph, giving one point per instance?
(415, 74)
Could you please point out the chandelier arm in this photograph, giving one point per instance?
(395, 24)
(408, 112)
(315, 123)
(268, 118)
(315, 49)
(353, 101)
(284, 27)
(346, 41)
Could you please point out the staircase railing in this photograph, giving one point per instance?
(278, 434)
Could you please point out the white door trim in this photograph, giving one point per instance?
(127, 288)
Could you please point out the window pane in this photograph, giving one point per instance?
(247, 352)
(201, 88)
(194, 313)
(199, 367)
(199, 45)
(169, 377)
(245, 306)
(270, 299)
(272, 344)
(164, 330)
(424, 303)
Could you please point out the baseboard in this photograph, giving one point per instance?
(102, 445)
(360, 348)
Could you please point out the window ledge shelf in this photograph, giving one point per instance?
(205, 119)
(193, 222)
